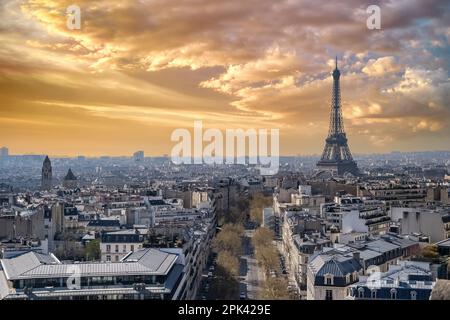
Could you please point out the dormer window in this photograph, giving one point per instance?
(329, 279)
(413, 295)
(355, 276)
(393, 294)
(360, 292)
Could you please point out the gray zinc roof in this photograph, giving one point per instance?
(34, 265)
(336, 265)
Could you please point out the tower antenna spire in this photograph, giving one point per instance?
(336, 62)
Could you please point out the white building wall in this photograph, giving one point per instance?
(351, 222)
(420, 220)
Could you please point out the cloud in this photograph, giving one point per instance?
(381, 66)
(253, 63)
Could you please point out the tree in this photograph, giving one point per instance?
(430, 252)
(224, 285)
(236, 215)
(262, 237)
(274, 289)
(229, 239)
(93, 250)
(257, 204)
(267, 256)
(228, 262)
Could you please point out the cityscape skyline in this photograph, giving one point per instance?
(130, 155)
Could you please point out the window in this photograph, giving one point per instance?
(393, 294)
(108, 258)
(117, 258)
(132, 247)
(124, 248)
(360, 292)
(413, 295)
(328, 294)
(374, 294)
(108, 248)
(117, 248)
(329, 279)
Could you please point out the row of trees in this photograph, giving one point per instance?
(274, 287)
(228, 246)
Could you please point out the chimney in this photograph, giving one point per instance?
(356, 255)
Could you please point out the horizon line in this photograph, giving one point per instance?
(56, 156)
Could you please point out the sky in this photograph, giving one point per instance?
(137, 70)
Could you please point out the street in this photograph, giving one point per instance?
(250, 273)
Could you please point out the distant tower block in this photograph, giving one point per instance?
(70, 181)
(46, 177)
(336, 158)
(138, 156)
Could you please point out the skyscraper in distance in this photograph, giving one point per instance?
(138, 156)
(4, 152)
(46, 177)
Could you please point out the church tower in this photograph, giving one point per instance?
(46, 178)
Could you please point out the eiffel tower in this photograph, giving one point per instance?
(336, 157)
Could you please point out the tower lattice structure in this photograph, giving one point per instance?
(336, 156)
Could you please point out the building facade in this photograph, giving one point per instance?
(116, 245)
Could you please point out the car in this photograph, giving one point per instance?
(243, 296)
(211, 268)
(203, 297)
(210, 274)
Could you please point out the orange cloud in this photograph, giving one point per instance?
(151, 66)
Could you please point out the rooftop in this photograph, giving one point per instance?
(335, 264)
(70, 176)
(34, 265)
